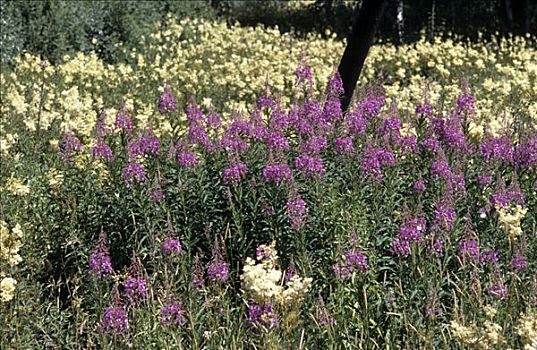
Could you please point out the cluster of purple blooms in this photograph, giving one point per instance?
(171, 245)
(172, 315)
(70, 145)
(411, 230)
(115, 319)
(353, 260)
(297, 142)
(262, 316)
(100, 264)
(297, 211)
(217, 268)
(135, 285)
(166, 102)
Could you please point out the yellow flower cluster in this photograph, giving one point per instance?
(510, 219)
(229, 65)
(17, 187)
(527, 330)
(10, 243)
(7, 289)
(55, 178)
(489, 336)
(262, 280)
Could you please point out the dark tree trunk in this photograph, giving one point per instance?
(366, 22)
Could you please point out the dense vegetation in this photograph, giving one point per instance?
(214, 196)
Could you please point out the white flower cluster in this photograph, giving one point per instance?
(263, 282)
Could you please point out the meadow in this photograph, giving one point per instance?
(209, 193)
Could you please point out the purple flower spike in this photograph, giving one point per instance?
(234, 172)
(277, 173)
(115, 320)
(135, 285)
(217, 269)
(197, 273)
(262, 315)
(172, 315)
(102, 151)
(100, 264)
(70, 144)
(134, 172)
(166, 102)
(297, 211)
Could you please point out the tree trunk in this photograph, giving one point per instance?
(366, 21)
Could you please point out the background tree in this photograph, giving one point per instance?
(366, 22)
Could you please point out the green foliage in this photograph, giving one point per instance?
(54, 28)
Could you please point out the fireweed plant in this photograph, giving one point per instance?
(369, 229)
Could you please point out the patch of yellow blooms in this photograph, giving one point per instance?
(10, 244)
(490, 335)
(486, 337)
(229, 65)
(510, 219)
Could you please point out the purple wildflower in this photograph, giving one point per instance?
(497, 149)
(265, 101)
(440, 167)
(370, 106)
(134, 172)
(431, 144)
(335, 86)
(213, 121)
(314, 144)
(310, 166)
(332, 110)
(374, 159)
(166, 102)
(356, 122)
(444, 214)
(135, 285)
(469, 248)
(123, 120)
(465, 103)
(102, 151)
(115, 320)
(100, 264)
(262, 315)
(172, 315)
(489, 257)
(217, 269)
(400, 247)
(277, 142)
(69, 145)
(277, 173)
(303, 75)
(409, 144)
(526, 152)
(297, 211)
(344, 146)
(187, 159)
(518, 262)
(234, 172)
(425, 109)
(419, 186)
